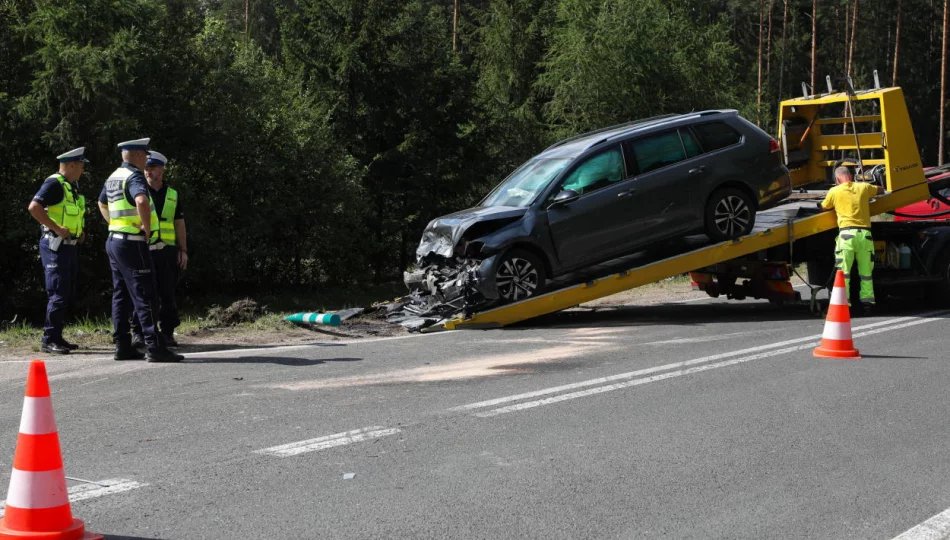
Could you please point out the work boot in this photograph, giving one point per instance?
(169, 340)
(867, 310)
(68, 345)
(163, 355)
(138, 342)
(127, 352)
(54, 348)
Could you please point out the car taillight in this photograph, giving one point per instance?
(773, 146)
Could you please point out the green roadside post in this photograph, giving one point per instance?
(327, 319)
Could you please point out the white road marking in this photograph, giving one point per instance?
(935, 528)
(91, 491)
(704, 339)
(879, 327)
(108, 487)
(666, 367)
(328, 441)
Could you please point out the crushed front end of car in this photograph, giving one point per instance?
(454, 274)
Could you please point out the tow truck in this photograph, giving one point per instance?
(874, 126)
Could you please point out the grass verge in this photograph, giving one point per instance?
(92, 332)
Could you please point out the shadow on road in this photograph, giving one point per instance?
(700, 314)
(893, 357)
(211, 347)
(113, 537)
(278, 360)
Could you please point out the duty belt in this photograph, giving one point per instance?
(157, 246)
(66, 241)
(124, 236)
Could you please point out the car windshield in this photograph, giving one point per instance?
(524, 185)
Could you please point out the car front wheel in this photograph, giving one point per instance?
(519, 276)
(730, 213)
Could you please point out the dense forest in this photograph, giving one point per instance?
(312, 140)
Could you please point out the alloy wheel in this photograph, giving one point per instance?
(516, 279)
(732, 216)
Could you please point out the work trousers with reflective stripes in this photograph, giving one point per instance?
(856, 245)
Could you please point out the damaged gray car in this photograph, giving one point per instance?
(596, 197)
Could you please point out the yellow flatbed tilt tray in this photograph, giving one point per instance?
(894, 147)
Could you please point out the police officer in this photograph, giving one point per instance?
(126, 205)
(851, 201)
(61, 211)
(169, 249)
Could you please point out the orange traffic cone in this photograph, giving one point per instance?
(836, 340)
(37, 502)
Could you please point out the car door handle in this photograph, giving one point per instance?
(697, 170)
(627, 193)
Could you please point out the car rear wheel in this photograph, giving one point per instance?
(519, 275)
(730, 213)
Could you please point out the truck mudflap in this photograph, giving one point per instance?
(738, 280)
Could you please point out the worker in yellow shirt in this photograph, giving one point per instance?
(851, 201)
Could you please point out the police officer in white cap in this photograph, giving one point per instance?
(127, 206)
(169, 249)
(61, 211)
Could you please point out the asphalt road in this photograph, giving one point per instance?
(697, 420)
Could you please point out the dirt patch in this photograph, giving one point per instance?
(242, 311)
(663, 292)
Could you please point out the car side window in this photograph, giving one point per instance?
(716, 135)
(658, 151)
(690, 144)
(599, 171)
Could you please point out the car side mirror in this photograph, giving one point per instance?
(564, 197)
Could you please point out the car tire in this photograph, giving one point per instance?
(730, 213)
(519, 275)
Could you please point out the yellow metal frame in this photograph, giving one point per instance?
(895, 138)
(905, 185)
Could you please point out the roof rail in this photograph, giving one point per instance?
(602, 130)
(657, 121)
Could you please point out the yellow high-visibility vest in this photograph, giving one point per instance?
(166, 222)
(123, 216)
(69, 212)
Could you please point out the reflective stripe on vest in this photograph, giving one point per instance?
(69, 212)
(166, 222)
(123, 216)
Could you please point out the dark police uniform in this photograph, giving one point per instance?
(133, 274)
(60, 262)
(165, 259)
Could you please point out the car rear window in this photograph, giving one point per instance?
(716, 135)
(658, 151)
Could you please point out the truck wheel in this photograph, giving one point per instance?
(942, 266)
(730, 213)
(519, 275)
